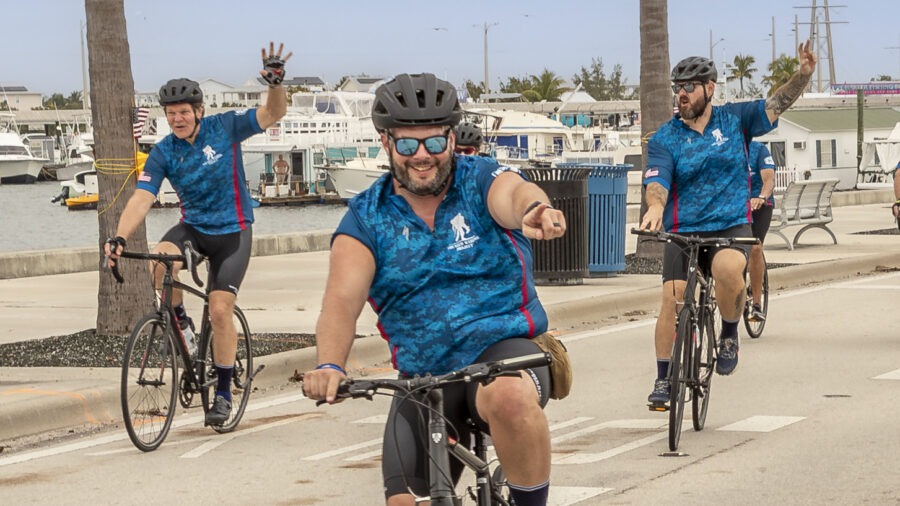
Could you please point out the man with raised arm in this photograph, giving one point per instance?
(439, 247)
(697, 182)
(202, 160)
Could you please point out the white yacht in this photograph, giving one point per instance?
(17, 164)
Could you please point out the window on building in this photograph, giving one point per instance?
(826, 153)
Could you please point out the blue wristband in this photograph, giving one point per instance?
(329, 365)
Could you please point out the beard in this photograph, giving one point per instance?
(691, 110)
(401, 172)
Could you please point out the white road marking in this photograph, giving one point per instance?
(589, 458)
(343, 450)
(873, 287)
(564, 496)
(216, 442)
(377, 419)
(893, 375)
(762, 423)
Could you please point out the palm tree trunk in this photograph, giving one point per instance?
(656, 95)
(112, 97)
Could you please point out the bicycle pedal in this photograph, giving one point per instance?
(658, 407)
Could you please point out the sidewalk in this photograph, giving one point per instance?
(282, 293)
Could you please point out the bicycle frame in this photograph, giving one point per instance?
(440, 446)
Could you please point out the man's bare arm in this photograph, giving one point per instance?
(789, 92)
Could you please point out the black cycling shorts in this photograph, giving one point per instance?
(404, 464)
(675, 258)
(762, 217)
(229, 254)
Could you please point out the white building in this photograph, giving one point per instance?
(823, 142)
(18, 98)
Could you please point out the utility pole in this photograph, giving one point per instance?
(712, 45)
(815, 34)
(85, 97)
(773, 39)
(896, 48)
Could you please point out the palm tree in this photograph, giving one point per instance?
(780, 71)
(743, 68)
(547, 86)
(111, 95)
(656, 95)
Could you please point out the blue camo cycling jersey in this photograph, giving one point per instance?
(760, 159)
(208, 175)
(706, 174)
(443, 296)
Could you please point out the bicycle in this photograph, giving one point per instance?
(150, 362)
(695, 348)
(755, 326)
(490, 487)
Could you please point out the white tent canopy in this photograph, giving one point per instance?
(877, 175)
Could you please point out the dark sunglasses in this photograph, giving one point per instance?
(465, 150)
(688, 87)
(407, 146)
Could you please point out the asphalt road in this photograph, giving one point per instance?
(809, 417)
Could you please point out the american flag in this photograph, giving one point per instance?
(138, 118)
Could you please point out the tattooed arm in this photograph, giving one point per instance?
(790, 91)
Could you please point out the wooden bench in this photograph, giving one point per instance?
(806, 204)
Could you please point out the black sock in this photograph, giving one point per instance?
(662, 368)
(530, 496)
(223, 383)
(730, 329)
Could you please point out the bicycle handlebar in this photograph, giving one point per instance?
(688, 240)
(188, 258)
(483, 373)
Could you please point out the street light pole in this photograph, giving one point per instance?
(712, 45)
(487, 82)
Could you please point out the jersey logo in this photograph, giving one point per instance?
(461, 230)
(719, 137)
(211, 155)
(405, 232)
(769, 161)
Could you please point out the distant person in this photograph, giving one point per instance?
(696, 183)
(202, 160)
(440, 247)
(282, 168)
(468, 138)
(762, 186)
(895, 209)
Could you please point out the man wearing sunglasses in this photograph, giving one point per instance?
(697, 182)
(440, 249)
(468, 138)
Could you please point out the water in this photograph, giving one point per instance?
(28, 221)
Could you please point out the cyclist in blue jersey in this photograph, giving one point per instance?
(468, 138)
(440, 248)
(202, 160)
(697, 182)
(762, 186)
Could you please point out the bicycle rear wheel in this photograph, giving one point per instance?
(241, 380)
(704, 357)
(679, 368)
(755, 328)
(149, 387)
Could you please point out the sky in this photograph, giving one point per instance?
(221, 39)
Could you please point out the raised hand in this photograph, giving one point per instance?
(273, 64)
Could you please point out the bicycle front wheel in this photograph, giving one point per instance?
(755, 327)
(679, 368)
(704, 357)
(241, 379)
(149, 387)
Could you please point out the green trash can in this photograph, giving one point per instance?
(563, 261)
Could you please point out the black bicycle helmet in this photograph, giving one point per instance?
(469, 134)
(415, 100)
(694, 68)
(180, 91)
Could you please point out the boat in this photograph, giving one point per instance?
(351, 176)
(318, 129)
(82, 191)
(17, 164)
